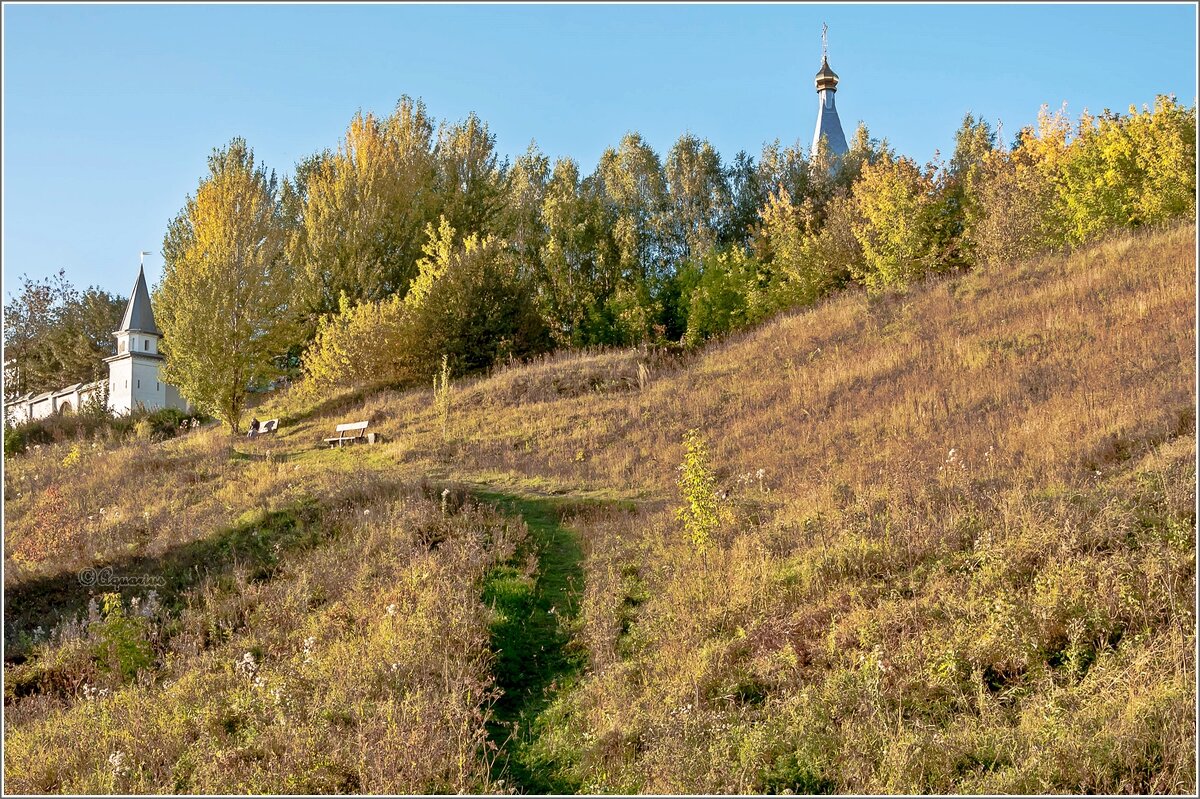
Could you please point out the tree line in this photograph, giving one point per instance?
(56, 334)
(413, 240)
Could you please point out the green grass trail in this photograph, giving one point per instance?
(531, 636)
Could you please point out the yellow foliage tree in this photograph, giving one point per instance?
(1130, 171)
(895, 201)
(224, 302)
(360, 344)
(365, 208)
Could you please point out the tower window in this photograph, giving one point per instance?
(139, 383)
(147, 345)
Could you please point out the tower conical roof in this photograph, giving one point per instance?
(139, 316)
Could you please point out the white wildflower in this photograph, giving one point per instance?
(246, 665)
(116, 762)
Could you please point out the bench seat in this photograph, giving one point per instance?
(348, 432)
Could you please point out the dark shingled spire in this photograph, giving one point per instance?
(139, 316)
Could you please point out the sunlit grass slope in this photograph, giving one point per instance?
(958, 555)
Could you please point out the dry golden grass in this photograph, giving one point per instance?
(967, 565)
(358, 665)
(1041, 372)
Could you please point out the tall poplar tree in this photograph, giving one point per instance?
(363, 210)
(223, 303)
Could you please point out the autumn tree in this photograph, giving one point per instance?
(895, 203)
(1164, 145)
(364, 209)
(361, 344)
(224, 300)
(1021, 211)
(1129, 171)
(472, 303)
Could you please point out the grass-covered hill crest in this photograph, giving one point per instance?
(931, 540)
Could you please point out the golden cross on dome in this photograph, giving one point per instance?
(824, 41)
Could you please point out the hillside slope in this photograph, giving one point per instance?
(957, 555)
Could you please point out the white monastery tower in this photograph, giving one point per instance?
(829, 126)
(133, 373)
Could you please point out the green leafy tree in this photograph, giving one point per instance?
(698, 197)
(974, 142)
(787, 168)
(747, 195)
(470, 179)
(223, 304)
(635, 195)
(56, 335)
(780, 241)
(731, 291)
(523, 227)
(805, 260)
(864, 149)
(580, 262)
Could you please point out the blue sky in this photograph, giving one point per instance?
(111, 111)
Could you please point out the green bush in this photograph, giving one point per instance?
(15, 440)
(124, 647)
(155, 425)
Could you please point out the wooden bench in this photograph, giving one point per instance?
(357, 432)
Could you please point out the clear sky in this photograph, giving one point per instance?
(111, 111)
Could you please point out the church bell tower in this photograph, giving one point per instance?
(133, 373)
(829, 126)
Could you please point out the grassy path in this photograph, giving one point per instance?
(535, 619)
